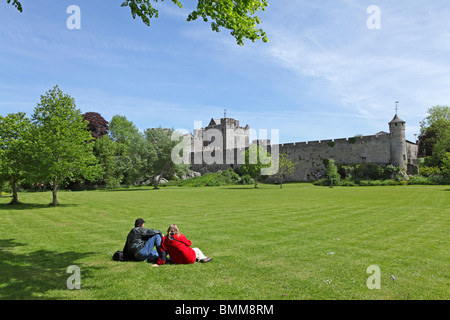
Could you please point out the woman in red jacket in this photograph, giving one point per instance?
(178, 247)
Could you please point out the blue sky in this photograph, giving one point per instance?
(324, 74)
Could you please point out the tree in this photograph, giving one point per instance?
(285, 166)
(434, 114)
(256, 158)
(235, 15)
(442, 145)
(97, 124)
(446, 165)
(331, 173)
(160, 142)
(238, 16)
(130, 148)
(14, 154)
(105, 151)
(16, 4)
(434, 140)
(62, 145)
(427, 140)
(122, 130)
(138, 161)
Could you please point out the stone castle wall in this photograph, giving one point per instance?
(308, 156)
(381, 149)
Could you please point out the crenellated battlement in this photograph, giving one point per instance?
(333, 142)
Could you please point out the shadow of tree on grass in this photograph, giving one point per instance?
(26, 276)
(31, 206)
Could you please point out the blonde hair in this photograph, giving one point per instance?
(173, 230)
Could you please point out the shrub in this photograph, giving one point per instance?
(364, 183)
(368, 171)
(246, 179)
(230, 176)
(429, 171)
(321, 182)
(348, 181)
(389, 183)
(379, 183)
(226, 177)
(332, 174)
(440, 179)
(375, 182)
(446, 165)
(390, 171)
(373, 171)
(421, 180)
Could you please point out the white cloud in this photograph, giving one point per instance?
(367, 70)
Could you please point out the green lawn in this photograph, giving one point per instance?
(301, 242)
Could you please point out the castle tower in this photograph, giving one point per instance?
(398, 142)
(228, 129)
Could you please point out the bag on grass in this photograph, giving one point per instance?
(118, 256)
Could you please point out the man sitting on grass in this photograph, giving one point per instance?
(140, 244)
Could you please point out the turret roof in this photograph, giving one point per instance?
(214, 122)
(396, 119)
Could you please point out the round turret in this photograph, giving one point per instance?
(398, 142)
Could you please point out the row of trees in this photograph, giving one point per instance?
(58, 145)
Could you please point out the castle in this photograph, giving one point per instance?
(224, 141)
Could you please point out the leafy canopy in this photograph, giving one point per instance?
(16, 4)
(238, 16)
(62, 142)
(256, 158)
(14, 146)
(434, 140)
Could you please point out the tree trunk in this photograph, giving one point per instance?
(55, 192)
(15, 198)
(256, 182)
(281, 183)
(156, 181)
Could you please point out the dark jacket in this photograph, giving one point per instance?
(136, 240)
